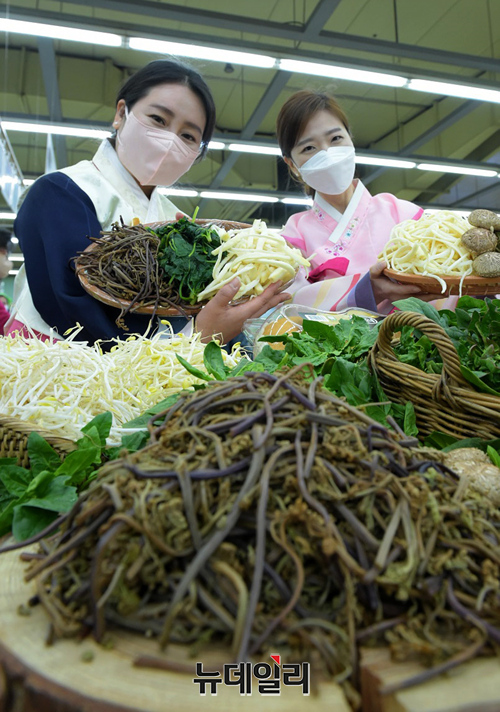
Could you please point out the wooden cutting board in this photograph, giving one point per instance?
(472, 687)
(40, 678)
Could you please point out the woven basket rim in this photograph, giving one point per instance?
(448, 391)
(25, 427)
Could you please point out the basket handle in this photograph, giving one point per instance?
(450, 375)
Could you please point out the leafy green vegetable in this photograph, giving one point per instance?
(339, 354)
(30, 499)
(447, 443)
(214, 363)
(131, 443)
(185, 255)
(193, 370)
(142, 420)
(493, 454)
(474, 329)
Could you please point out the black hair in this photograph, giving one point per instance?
(169, 71)
(5, 236)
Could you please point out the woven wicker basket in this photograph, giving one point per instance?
(445, 402)
(14, 439)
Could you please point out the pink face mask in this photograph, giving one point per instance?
(152, 156)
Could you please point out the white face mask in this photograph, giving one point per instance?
(330, 171)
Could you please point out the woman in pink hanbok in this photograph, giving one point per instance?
(347, 228)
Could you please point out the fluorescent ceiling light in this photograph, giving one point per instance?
(214, 54)
(297, 201)
(389, 162)
(216, 145)
(255, 148)
(28, 181)
(217, 54)
(55, 130)
(14, 240)
(56, 32)
(353, 75)
(13, 271)
(179, 192)
(9, 216)
(238, 196)
(461, 170)
(16, 258)
(461, 90)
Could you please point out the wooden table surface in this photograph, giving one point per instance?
(35, 677)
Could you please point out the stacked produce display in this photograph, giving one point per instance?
(299, 502)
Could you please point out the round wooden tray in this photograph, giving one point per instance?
(471, 285)
(45, 678)
(105, 298)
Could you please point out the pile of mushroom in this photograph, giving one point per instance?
(482, 240)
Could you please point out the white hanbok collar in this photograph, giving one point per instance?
(147, 209)
(341, 218)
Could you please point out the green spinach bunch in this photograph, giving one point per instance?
(31, 499)
(474, 329)
(185, 255)
(338, 353)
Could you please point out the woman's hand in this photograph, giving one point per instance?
(385, 288)
(219, 318)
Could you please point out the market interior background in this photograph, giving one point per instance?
(73, 84)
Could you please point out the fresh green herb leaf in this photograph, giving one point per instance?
(142, 420)
(439, 440)
(6, 516)
(410, 420)
(494, 455)
(42, 456)
(15, 479)
(214, 363)
(77, 463)
(185, 255)
(476, 381)
(28, 521)
(193, 370)
(57, 496)
(412, 304)
(130, 443)
(245, 366)
(102, 423)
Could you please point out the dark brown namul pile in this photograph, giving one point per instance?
(269, 515)
(123, 263)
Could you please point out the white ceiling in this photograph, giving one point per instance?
(451, 39)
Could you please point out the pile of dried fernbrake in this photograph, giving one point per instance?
(267, 513)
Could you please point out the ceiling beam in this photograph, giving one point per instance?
(315, 24)
(442, 184)
(456, 115)
(49, 73)
(318, 18)
(260, 112)
(178, 13)
(154, 32)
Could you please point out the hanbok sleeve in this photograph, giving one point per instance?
(53, 225)
(351, 291)
(4, 317)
